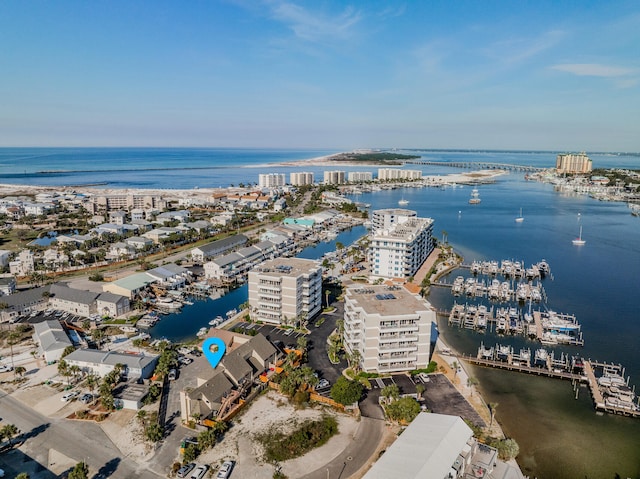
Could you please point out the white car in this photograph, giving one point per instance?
(5, 368)
(199, 472)
(69, 396)
(225, 470)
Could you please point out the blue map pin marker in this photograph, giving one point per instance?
(213, 349)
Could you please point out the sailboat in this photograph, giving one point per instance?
(520, 218)
(579, 241)
(403, 202)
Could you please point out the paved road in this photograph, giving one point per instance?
(79, 440)
(357, 454)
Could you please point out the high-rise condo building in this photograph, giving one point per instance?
(271, 180)
(285, 290)
(301, 178)
(389, 327)
(334, 177)
(573, 163)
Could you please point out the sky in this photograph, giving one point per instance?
(524, 75)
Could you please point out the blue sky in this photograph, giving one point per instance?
(557, 75)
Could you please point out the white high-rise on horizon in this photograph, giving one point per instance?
(301, 178)
(398, 174)
(573, 163)
(334, 177)
(358, 176)
(271, 180)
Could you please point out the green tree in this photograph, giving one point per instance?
(404, 409)
(23, 475)
(390, 392)
(507, 449)
(207, 439)
(191, 452)
(345, 391)
(20, 370)
(419, 390)
(80, 471)
(154, 432)
(8, 431)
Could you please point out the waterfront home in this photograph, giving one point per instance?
(129, 286)
(112, 305)
(4, 257)
(218, 247)
(51, 339)
(170, 276)
(441, 446)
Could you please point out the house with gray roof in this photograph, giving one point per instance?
(170, 275)
(440, 446)
(24, 302)
(102, 363)
(71, 300)
(51, 339)
(218, 247)
(7, 284)
(112, 305)
(246, 358)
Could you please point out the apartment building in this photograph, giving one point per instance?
(359, 176)
(386, 218)
(399, 251)
(334, 177)
(398, 174)
(301, 178)
(389, 327)
(573, 163)
(285, 290)
(271, 180)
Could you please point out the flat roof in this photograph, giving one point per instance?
(387, 300)
(286, 267)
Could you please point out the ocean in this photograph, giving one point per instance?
(559, 436)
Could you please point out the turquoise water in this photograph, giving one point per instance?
(559, 437)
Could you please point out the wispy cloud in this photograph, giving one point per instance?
(594, 70)
(515, 50)
(315, 26)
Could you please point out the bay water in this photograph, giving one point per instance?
(559, 436)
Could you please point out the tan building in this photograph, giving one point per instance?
(301, 178)
(334, 177)
(389, 327)
(573, 163)
(285, 290)
(398, 174)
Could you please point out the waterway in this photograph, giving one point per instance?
(559, 437)
(183, 325)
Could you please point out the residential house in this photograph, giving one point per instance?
(4, 257)
(7, 284)
(24, 302)
(23, 264)
(129, 286)
(112, 305)
(218, 247)
(102, 363)
(139, 242)
(71, 300)
(51, 339)
(117, 217)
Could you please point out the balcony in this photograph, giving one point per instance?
(395, 347)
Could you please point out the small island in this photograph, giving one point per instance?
(373, 157)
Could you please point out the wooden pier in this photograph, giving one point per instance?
(589, 378)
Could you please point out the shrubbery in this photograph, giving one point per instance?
(310, 434)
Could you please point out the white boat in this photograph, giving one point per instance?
(216, 321)
(474, 200)
(579, 241)
(403, 202)
(202, 332)
(520, 218)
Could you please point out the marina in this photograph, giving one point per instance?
(608, 386)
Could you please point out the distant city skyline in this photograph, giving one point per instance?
(548, 75)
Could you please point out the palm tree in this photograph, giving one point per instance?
(492, 409)
(456, 368)
(444, 235)
(13, 338)
(470, 383)
(419, 390)
(20, 370)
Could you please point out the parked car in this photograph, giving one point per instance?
(173, 374)
(185, 361)
(69, 396)
(86, 398)
(199, 472)
(186, 469)
(5, 368)
(225, 470)
(323, 384)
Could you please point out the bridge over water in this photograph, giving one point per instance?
(477, 164)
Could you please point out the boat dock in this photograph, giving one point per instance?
(609, 390)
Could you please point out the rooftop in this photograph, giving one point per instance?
(286, 267)
(387, 300)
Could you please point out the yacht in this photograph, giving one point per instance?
(520, 218)
(202, 332)
(403, 202)
(475, 199)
